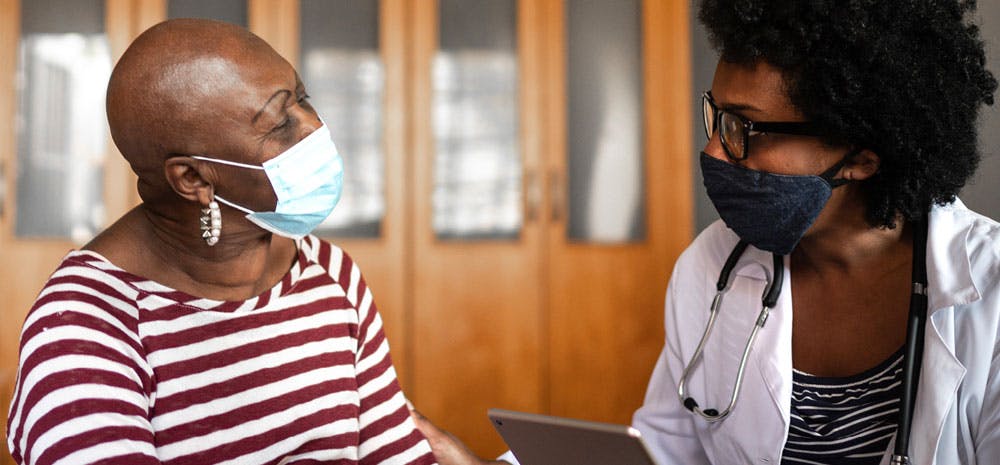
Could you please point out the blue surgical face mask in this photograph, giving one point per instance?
(769, 211)
(307, 180)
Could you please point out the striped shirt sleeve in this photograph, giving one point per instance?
(387, 433)
(80, 394)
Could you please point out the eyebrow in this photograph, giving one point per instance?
(286, 93)
(733, 107)
(739, 107)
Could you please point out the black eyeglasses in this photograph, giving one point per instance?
(736, 130)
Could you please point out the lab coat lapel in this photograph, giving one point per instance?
(762, 403)
(950, 284)
(940, 376)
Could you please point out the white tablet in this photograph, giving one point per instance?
(546, 440)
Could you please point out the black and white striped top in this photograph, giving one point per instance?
(844, 421)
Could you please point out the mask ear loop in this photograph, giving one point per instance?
(230, 163)
(830, 173)
(231, 204)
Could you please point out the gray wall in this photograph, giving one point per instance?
(981, 194)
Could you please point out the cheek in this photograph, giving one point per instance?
(790, 157)
(714, 149)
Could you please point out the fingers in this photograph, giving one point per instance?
(448, 449)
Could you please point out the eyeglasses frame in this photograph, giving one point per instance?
(751, 128)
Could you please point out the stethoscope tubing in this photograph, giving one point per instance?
(915, 329)
(769, 299)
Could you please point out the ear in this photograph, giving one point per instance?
(190, 179)
(862, 166)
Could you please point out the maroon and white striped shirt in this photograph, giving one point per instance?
(117, 369)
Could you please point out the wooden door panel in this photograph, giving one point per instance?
(477, 305)
(606, 301)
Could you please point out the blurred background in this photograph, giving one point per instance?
(520, 176)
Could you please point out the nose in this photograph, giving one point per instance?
(309, 118)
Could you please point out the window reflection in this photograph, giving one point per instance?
(61, 128)
(606, 182)
(344, 75)
(477, 166)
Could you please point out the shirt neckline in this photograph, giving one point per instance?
(148, 288)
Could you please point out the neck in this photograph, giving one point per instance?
(842, 239)
(244, 263)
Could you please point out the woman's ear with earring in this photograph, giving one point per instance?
(184, 176)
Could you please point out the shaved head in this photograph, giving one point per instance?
(190, 87)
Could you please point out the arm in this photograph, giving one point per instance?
(81, 391)
(387, 433)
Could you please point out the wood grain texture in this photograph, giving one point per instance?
(606, 301)
(277, 22)
(476, 305)
(385, 261)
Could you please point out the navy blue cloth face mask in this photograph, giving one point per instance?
(769, 211)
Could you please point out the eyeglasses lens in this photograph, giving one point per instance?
(708, 114)
(733, 136)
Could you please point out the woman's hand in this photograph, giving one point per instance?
(448, 449)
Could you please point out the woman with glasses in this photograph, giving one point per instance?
(839, 135)
(846, 307)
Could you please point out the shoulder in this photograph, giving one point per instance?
(86, 316)
(86, 290)
(954, 228)
(337, 263)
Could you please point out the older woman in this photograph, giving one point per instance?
(207, 325)
(839, 136)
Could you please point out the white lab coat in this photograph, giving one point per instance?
(957, 417)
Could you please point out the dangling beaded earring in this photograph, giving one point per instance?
(211, 223)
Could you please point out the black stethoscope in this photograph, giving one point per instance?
(914, 337)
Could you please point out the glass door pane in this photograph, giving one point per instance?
(230, 11)
(344, 75)
(477, 164)
(605, 121)
(64, 63)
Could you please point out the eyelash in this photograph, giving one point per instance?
(288, 121)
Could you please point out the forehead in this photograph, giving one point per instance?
(238, 85)
(760, 87)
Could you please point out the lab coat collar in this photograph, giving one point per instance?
(948, 268)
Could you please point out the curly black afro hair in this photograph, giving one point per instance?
(903, 78)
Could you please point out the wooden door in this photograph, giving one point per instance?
(61, 179)
(624, 64)
(478, 283)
